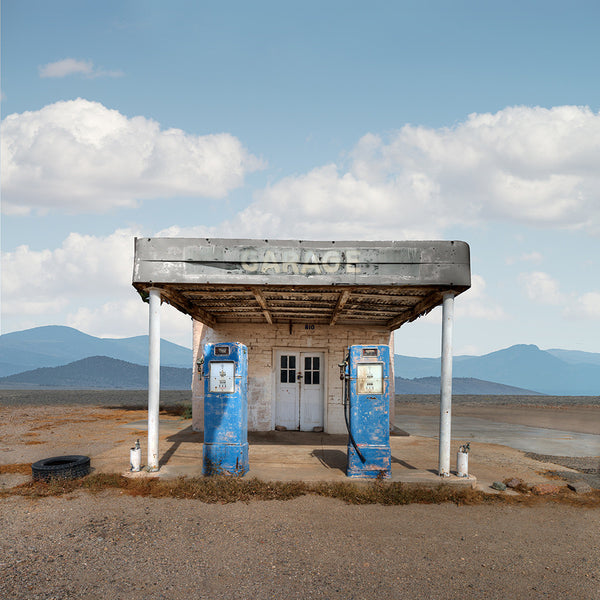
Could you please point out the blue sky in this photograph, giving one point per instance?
(313, 120)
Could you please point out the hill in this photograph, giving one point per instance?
(98, 372)
(576, 356)
(523, 366)
(55, 345)
(460, 385)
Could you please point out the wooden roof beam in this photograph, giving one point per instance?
(262, 302)
(342, 299)
(187, 307)
(421, 308)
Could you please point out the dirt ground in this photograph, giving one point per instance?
(119, 547)
(40, 424)
(580, 419)
(32, 432)
(110, 545)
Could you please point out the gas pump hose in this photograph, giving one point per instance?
(346, 418)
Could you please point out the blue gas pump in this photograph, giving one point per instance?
(225, 371)
(366, 377)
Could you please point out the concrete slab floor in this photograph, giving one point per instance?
(279, 456)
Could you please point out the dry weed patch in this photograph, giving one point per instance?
(169, 410)
(50, 422)
(20, 468)
(224, 490)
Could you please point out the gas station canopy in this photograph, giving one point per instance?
(286, 281)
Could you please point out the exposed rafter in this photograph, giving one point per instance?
(383, 306)
(185, 306)
(263, 304)
(384, 284)
(342, 299)
(421, 308)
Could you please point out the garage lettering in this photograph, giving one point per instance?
(304, 262)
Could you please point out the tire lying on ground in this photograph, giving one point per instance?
(61, 467)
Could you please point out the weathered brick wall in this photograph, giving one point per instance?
(262, 341)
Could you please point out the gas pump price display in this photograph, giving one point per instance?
(221, 375)
(369, 378)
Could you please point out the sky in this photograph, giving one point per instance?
(336, 120)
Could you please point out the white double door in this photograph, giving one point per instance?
(299, 404)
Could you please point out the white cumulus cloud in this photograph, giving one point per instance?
(526, 165)
(533, 257)
(72, 66)
(67, 66)
(80, 156)
(476, 304)
(129, 317)
(541, 287)
(586, 306)
(84, 283)
(83, 265)
(544, 289)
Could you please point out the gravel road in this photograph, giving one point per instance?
(119, 547)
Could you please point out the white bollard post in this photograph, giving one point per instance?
(446, 385)
(153, 379)
(135, 457)
(462, 464)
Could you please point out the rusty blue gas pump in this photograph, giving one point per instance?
(366, 377)
(225, 371)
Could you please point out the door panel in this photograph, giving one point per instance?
(299, 403)
(288, 391)
(311, 393)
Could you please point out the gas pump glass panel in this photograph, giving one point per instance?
(369, 378)
(370, 352)
(221, 377)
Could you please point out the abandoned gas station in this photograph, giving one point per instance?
(297, 307)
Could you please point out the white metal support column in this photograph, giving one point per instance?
(153, 378)
(446, 384)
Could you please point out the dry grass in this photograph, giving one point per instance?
(45, 424)
(20, 468)
(232, 489)
(181, 409)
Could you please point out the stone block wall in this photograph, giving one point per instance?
(262, 341)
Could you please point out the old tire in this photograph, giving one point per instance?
(61, 467)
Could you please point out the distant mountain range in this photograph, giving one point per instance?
(55, 345)
(98, 372)
(56, 356)
(553, 372)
